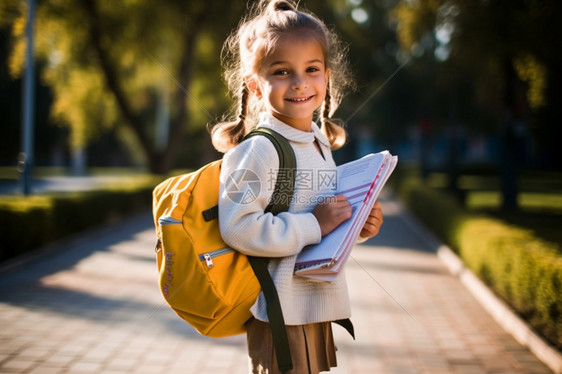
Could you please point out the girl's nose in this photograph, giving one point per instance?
(298, 82)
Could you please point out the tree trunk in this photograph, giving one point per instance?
(113, 82)
(509, 151)
(159, 161)
(180, 119)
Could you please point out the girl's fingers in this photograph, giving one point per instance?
(335, 200)
(373, 222)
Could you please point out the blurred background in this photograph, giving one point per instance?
(134, 83)
(451, 86)
(466, 92)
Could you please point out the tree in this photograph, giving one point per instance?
(116, 64)
(509, 51)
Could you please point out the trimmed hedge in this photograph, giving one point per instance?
(27, 223)
(523, 270)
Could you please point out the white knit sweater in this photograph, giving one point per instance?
(245, 227)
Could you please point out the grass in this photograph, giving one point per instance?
(528, 201)
(10, 172)
(94, 179)
(539, 212)
(539, 199)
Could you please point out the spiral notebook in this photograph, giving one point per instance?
(361, 181)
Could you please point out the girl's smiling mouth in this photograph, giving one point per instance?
(299, 99)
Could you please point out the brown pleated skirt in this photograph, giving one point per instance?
(312, 348)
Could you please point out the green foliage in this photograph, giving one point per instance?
(415, 19)
(27, 223)
(523, 270)
(113, 64)
(483, 58)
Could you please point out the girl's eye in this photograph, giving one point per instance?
(281, 72)
(312, 69)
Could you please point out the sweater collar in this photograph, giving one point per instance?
(292, 134)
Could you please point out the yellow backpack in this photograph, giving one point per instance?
(208, 284)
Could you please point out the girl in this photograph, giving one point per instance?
(285, 64)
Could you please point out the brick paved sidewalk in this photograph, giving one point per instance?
(92, 306)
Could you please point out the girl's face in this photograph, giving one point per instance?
(292, 80)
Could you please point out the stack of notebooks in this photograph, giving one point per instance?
(360, 181)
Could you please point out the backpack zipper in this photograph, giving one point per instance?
(208, 257)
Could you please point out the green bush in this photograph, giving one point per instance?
(523, 270)
(27, 223)
(441, 213)
(24, 224)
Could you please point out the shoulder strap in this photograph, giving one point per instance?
(280, 201)
(285, 183)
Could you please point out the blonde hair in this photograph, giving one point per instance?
(255, 39)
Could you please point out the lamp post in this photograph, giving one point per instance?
(26, 157)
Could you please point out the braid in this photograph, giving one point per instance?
(226, 135)
(237, 132)
(326, 107)
(334, 132)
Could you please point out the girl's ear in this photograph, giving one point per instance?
(327, 77)
(253, 86)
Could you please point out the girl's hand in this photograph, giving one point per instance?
(373, 223)
(332, 212)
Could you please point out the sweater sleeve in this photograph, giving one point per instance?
(248, 175)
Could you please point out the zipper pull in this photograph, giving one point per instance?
(208, 260)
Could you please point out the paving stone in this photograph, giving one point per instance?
(94, 307)
(46, 369)
(15, 364)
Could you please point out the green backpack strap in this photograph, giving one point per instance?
(274, 313)
(280, 202)
(285, 183)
